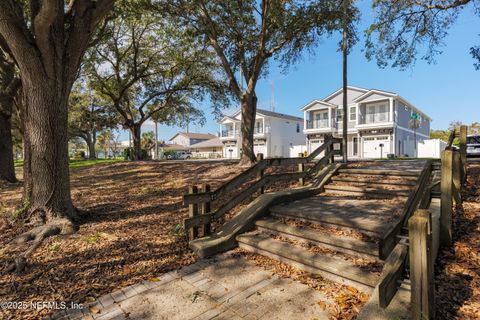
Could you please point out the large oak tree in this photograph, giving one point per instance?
(246, 34)
(89, 115)
(403, 29)
(146, 64)
(47, 40)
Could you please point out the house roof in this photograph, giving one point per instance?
(312, 103)
(191, 135)
(366, 93)
(269, 114)
(331, 95)
(212, 143)
(171, 146)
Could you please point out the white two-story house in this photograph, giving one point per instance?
(274, 134)
(378, 123)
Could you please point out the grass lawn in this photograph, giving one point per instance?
(77, 163)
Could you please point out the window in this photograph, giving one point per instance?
(339, 114)
(353, 113)
(298, 127)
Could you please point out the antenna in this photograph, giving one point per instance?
(272, 98)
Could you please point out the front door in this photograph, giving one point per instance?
(355, 146)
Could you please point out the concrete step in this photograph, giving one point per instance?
(382, 172)
(334, 269)
(366, 190)
(343, 244)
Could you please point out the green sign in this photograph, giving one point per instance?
(415, 116)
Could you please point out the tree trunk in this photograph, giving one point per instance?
(136, 130)
(248, 110)
(47, 133)
(91, 141)
(7, 166)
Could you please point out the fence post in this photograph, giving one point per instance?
(260, 174)
(301, 168)
(421, 265)
(457, 171)
(463, 152)
(446, 186)
(206, 208)
(192, 212)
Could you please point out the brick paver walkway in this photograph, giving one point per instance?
(223, 287)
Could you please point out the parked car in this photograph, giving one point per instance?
(473, 145)
(179, 155)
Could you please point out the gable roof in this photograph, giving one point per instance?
(312, 103)
(331, 95)
(270, 114)
(212, 143)
(373, 91)
(191, 135)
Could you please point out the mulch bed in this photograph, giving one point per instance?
(457, 274)
(130, 231)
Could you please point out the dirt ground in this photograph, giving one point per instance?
(130, 231)
(457, 275)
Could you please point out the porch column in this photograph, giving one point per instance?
(329, 117)
(305, 120)
(391, 109)
(357, 110)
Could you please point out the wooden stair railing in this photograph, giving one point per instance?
(202, 220)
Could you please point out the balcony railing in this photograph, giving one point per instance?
(258, 130)
(376, 118)
(229, 133)
(317, 124)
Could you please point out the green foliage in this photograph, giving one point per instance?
(149, 67)
(404, 28)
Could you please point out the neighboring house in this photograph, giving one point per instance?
(375, 118)
(274, 134)
(187, 139)
(212, 148)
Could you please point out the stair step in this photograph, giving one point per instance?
(392, 186)
(353, 218)
(380, 180)
(382, 172)
(348, 245)
(367, 190)
(330, 268)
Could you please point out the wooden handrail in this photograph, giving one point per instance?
(451, 137)
(207, 218)
(252, 172)
(389, 240)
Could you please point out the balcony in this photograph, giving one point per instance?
(228, 134)
(317, 124)
(258, 130)
(379, 117)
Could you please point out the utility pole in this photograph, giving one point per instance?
(345, 83)
(156, 140)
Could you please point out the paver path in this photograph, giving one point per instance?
(223, 287)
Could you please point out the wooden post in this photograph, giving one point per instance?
(457, 171)
(206, 208)
(260, 174)
(446, 186)
(421, 265)
(192, 212)
(463, 152)
(301, 168)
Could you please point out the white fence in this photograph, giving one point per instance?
(430, 148)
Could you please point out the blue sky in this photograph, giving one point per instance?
(447, 90)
